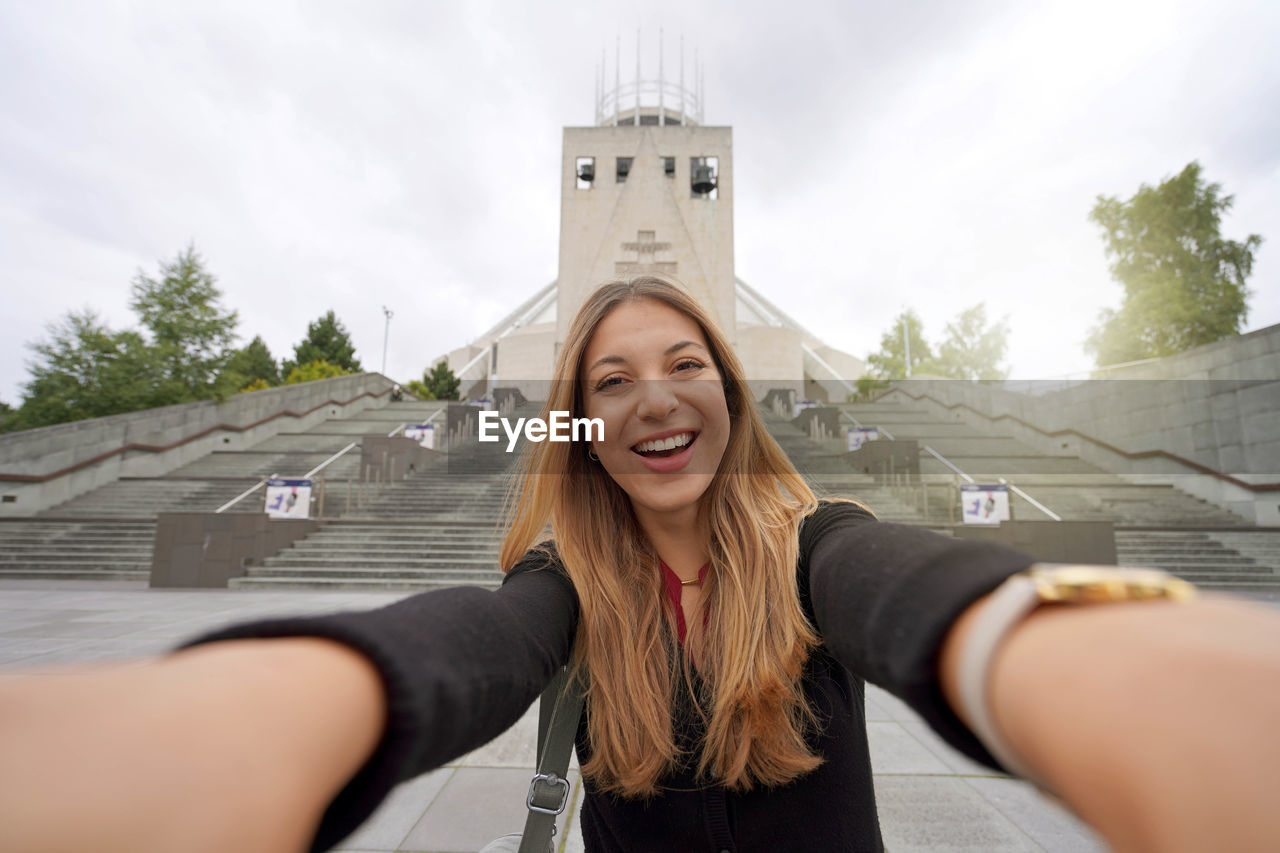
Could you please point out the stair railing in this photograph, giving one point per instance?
(1016, 490)
(258, 485)
(859, 425)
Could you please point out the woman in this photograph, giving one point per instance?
(724, 620)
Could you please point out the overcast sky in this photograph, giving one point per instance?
(354, 155)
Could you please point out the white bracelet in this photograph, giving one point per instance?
(1007, 606)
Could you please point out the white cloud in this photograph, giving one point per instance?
(348, 156)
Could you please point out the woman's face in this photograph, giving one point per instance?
(649, 375)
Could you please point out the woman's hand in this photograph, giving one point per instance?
(1156, 722)
(235, 745)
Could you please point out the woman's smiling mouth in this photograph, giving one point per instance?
(666, 453)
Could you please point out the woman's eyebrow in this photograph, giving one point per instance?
(617, 359)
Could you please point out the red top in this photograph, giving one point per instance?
(672, 582)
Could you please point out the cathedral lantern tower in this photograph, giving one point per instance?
(648, 189)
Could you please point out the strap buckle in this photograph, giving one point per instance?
(556, 790)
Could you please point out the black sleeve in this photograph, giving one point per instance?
(884, 597)
(459, 666)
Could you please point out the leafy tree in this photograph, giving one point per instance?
(314, 370)
(256, 385)
(1184, 285)
(971, 349)
(419, 389)
(440, 382)
(7, 414)
(85, 370)
(190, 330)
(891, 361)
(327, 340)
(252, 364)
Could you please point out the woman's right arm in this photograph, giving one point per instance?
(264, 729)
(215, 748)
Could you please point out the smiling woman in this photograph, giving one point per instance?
(724, 621)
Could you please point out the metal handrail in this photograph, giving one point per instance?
(859, 425)
(1026, 497)
(945, 461)
(325, 463)
(397, 429)
(258, 485)
(1017, 491)
(226, 506)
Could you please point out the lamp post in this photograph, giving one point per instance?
(906, 342)
(386, 332)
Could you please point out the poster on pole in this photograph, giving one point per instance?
(288, 498)
(856, 436)
(984, 504)
(424, 434)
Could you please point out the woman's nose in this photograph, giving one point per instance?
(657, 399)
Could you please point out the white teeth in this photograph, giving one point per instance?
(669, 443)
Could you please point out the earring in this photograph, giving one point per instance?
(591, 454)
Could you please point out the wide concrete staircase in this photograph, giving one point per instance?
(109, 533)
(436, 529)
(1156, 525)
(440, 527)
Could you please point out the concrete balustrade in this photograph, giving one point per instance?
(40, 468)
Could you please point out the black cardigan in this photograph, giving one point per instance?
(461, 665)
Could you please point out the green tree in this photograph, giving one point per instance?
(251, 364)
(190, 331)
(891, 360)
(972, 349)
(1184, 284)
(85, 370)
(419, 389)
(440, 382)
(327, 340)
(314, 370)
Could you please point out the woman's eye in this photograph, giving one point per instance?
(691, 364)
(608, 382)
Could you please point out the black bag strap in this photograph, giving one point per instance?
(559, 711)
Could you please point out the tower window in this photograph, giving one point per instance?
(669, 166)
(624, 168)
(704, 177)
(585, 170)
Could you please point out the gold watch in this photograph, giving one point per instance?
(1015, 599)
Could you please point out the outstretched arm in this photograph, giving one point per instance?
(1156, 722)
(275, 735)
(231, 746)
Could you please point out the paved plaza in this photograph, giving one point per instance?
(930, 797)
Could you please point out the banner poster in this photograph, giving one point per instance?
(424, 434)
(857, 435)
(981, 504)
(289, 498)
(801, 405)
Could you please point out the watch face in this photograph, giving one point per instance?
(1066, 584)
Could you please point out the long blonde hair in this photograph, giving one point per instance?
(756, 637)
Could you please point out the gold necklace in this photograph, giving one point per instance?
(691, 582)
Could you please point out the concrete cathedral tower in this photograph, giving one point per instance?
(648, 189)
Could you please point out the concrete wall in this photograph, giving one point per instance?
(193, 429)
(1216, 406)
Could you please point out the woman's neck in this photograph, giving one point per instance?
(681, 537)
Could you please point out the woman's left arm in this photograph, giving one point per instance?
(1155, 721)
